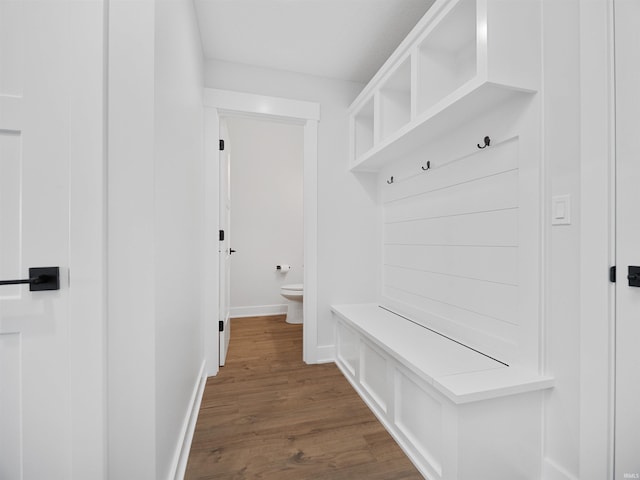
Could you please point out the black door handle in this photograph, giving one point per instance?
(634, 276)
(231, 250)
(42, 278)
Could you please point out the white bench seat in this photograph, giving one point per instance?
(460, 373)
(457, 413)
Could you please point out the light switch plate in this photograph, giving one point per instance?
(561, 210)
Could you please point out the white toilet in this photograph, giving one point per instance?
(293, 294)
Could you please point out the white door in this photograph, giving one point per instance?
(627, 408)
(40, 87)
(225, 249)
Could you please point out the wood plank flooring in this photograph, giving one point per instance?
(267, 415)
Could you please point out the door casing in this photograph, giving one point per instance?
(597, 240)
(627, 229)
(218, 103)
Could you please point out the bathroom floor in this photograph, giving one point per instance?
(268, 415)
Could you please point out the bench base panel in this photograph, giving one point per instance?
(498, 438)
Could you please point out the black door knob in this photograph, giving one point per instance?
(634, 276)
(231, 250)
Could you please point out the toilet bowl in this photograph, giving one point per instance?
(293, 293)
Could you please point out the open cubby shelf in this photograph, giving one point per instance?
(461, 59)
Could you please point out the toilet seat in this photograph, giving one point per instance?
(294, 288)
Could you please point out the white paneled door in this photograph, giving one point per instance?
(627, 390)
(39, 93)
(225, 249)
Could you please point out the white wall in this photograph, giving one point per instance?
(179, 198)
(561, 54)
(266, 211)
(130, 256)
(347, 214)
(154, 232)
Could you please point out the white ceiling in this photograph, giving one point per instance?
(345, 39)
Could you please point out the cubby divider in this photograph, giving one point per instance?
(395, 100)
(363, 129)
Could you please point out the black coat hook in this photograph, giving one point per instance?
(390, 181)
(427, 167)
(487, 142)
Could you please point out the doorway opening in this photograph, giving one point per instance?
(221, 104)
(261, 215)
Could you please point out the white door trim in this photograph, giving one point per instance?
(221, 102)
(248, 103)
(597, 253)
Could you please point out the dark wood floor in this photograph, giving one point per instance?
(267, 415)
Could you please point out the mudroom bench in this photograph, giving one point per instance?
(457, 412)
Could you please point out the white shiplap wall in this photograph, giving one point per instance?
(461, 240)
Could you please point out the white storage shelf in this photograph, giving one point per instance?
(457, 413)
(463, 58)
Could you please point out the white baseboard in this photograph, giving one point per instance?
(326, 354)
(552, 471)
(258, 311)
(181, 455)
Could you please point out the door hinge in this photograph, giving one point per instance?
(221, 326)
(612, 274)
(221, 144)
(221, 235)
